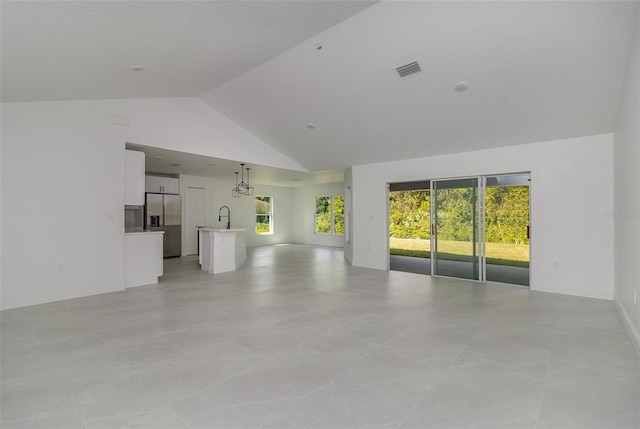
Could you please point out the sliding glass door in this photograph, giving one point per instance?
(455, 229)
(506, 206)
(480, 228)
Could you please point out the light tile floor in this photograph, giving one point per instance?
(297, 338)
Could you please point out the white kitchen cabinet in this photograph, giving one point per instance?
(152, 184)
(143, 262)
(134, 179)
(162, 185)
(170, 185)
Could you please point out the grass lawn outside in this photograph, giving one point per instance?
(516, 255)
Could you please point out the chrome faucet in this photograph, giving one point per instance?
(228, 216)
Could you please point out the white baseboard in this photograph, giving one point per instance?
(635, 336)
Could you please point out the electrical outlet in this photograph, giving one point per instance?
(556, 265)
(60, 268)
(635, 296)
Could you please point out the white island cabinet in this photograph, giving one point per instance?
(222, 250)
(142, 257)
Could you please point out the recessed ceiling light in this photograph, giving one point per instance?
(295, 180)
(176, 165)
(212, 163)
(461, 86)
(138, 67)
(311, 126)
(318, 46)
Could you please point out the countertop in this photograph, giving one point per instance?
(206, 228)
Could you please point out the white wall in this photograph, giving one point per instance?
(304, 220)
(63, 186)
(62, 199)
(571, 203)
(627, 193)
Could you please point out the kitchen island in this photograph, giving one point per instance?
(222, 250)
(143, 260)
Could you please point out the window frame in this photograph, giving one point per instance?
(269, 214)
(332, 215)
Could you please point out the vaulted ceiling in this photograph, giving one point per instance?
(79, 50)
(316, 79)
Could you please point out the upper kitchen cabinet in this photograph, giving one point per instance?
(162, 185)
(134, 178)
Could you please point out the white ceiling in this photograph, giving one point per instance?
(537, 70)
(80, 50)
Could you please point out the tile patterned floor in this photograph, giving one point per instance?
(297, 338)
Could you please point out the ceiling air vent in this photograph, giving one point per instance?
(409, 69)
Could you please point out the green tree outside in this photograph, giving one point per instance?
(338, 214)
(507, 216)
(409, 214)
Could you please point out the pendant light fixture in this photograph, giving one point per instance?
(235, 192)
(248, 189)
(242, 188)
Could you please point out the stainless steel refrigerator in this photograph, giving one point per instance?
(163, 212)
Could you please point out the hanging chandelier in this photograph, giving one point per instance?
(242, 188)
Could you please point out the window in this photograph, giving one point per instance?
(264, 215)
(329, 215)
(338, 214)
